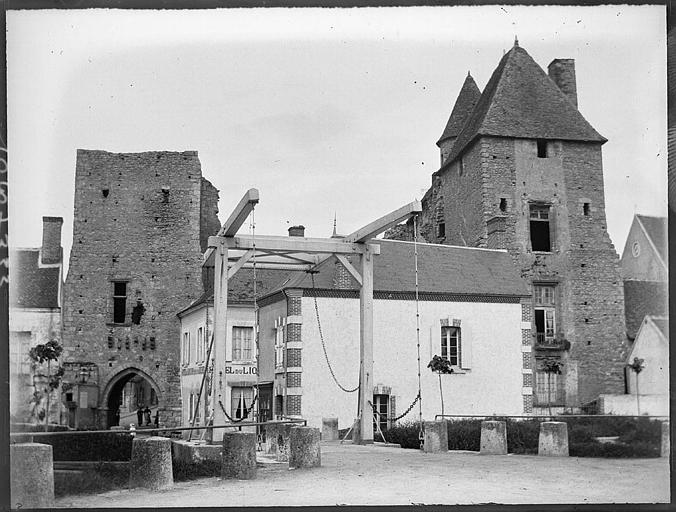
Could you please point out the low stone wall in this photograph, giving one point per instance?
(192, 452)
(652, 405)
(277, 437)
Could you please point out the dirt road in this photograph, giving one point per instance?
(378, 475)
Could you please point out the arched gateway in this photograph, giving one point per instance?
(127, 392)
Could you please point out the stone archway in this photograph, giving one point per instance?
(125, 393)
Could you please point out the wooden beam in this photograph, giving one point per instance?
(278, 266)
(348, 266)
(240, 263)
(383, 223)
(365, 434)
(288, 243)
(240, 213)
(218, 386)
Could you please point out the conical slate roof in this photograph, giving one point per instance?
(521, 101)
(464, 105)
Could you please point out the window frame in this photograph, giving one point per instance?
(449, 333)
(243, 342)
(199, 358)
(279, 347)
(186, 348)
(117, 298)
(545, 300)
(539, 208)
(244, 399)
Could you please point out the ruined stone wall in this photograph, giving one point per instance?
(488, 206)
(463, 198)
(138, 218)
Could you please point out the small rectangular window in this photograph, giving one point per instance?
(450, 344)
(542, 148)
(441, 230)
(279, 346)
(540, 238)
(242, 343)
(119, 301)
(200, 345)
(585, 209)
(186, 348)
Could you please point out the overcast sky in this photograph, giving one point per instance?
(322, 110)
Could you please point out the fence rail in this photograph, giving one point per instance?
(144, 431)
(554, 416)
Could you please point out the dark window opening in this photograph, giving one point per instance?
(503, 204)
(69, 397)
(441, 230)
(585, 209)
(119, 301)
(461, 166)
(542, 148)
(539, 228)
(381, 408)
(105, 192)
(137, 313)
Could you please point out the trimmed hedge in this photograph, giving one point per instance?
(638, 437)
(100, 479)
(192, 470)
(96, 447)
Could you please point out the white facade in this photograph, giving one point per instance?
(241, 370)
(29, 327)
(653, 347)
(488, 380)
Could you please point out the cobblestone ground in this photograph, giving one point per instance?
(378, 475)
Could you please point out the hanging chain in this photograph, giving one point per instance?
(245, 414)
(410, 408)
(321, 337)
(255, 305)
(417, 326)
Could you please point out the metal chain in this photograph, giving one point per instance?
(410, 408)
(421, 435)
(246, 411)
(321, 337)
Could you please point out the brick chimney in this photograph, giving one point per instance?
(51, 240)
(297, 231)
(562, 72)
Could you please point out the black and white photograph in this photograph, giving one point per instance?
(365, 256)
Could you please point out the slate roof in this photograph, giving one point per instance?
(29, 285)
(442, 269)
(643, 298)
(464, 105)
(656, 229)
(521, 101)
(240, 287)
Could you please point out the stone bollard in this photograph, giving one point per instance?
(238, 458)
(150, 465)
(436, 436)
(277, 439)
(304, 448)
(32, 475)
(553, 441)
(493, 438)
(665, 445)
(329, 429)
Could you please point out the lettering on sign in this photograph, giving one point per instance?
(246, 370)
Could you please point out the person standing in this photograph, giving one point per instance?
(139, 415)
(146, 414)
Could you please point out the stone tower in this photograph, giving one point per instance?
(521, 170)
(141, 222)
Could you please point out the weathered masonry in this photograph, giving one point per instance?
(521, 170)
(141, 223)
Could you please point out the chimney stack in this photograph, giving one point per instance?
(297, 231)
(51, 240)
(562, 72)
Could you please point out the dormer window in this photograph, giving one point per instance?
(542, 148)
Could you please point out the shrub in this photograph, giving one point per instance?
(619, 450)
(464, 435)
(523, 436)
(406, 434)
(93, 447)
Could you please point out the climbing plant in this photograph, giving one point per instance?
(440, 365)
(44, 384)
(637, 367)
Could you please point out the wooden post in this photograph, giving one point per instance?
(218, 387)
(365, 434)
